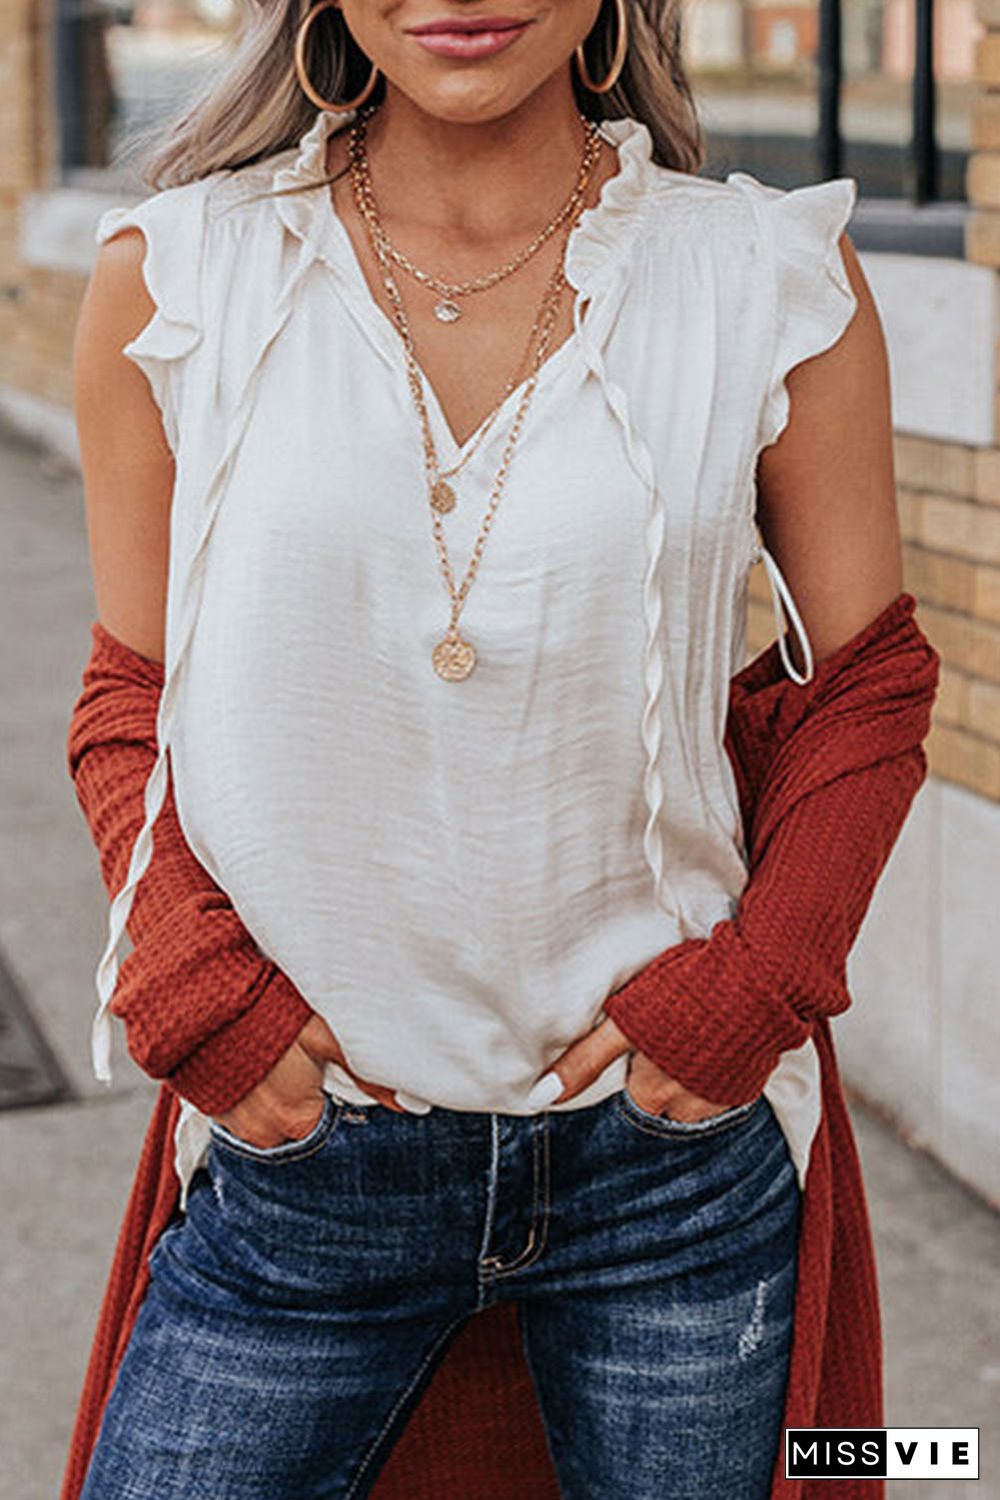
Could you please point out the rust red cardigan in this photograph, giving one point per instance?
(826, 773)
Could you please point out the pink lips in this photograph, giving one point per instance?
(482, 37)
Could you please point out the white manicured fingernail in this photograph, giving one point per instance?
(546, 1091)
(412, 1103)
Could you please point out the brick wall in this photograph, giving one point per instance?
(37, 307)
(949, 509)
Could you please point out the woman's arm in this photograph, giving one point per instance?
(203, 1007)
(128, 469)
(714, 1013)
(826, 492)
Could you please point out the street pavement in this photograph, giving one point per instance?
(65, 1169)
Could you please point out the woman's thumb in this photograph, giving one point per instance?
(319, 1041)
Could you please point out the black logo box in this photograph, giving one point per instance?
(840, 1452)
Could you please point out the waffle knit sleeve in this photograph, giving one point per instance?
(203, 1008)
(715, 1012)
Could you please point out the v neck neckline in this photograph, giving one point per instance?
(458, 451)
(595, 247)
(344, 255)
(387, 335)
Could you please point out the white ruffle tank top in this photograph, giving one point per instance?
(456, 874)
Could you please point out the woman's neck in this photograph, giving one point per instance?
(477, 182)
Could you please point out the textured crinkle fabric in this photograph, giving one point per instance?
(476, 1432)
(300, 620)
(813, 300)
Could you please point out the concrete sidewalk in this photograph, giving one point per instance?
(65, 1170)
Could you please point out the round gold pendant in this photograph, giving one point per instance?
(454, 658)
(442, 496)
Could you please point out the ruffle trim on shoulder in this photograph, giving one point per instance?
(814, 299)
(604, 232)
(302, 163)
(171, 223)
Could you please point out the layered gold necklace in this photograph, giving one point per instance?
(447, 308)
(454, 656)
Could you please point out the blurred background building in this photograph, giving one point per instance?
(902, 94)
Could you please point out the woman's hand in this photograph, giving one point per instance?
(288, 1101)
(649, 1086)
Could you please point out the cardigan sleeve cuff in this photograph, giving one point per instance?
(233, 1060)
(709, 1018)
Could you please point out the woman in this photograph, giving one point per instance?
(398, 276)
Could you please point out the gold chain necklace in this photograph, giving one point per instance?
(453, 656)
(446, 309)
(441, 492)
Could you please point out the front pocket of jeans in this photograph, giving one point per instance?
(285, 1151)
(644, 1119)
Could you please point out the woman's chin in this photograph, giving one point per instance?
(466, 96)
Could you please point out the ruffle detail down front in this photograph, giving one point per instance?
(597, 267)
(184, 273)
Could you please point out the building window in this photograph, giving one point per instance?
(797, 91)
(123, 67)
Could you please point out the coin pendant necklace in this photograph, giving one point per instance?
(442, 494)
(454, 656)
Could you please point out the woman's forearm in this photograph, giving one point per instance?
(203, 1008)
(716, 1012)
(827, 777)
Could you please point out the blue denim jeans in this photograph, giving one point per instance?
(298, 1309)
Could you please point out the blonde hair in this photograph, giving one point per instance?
(257, 108)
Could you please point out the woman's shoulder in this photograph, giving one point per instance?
(691, 195)
(758, 246)
(197, 231)
(743, 204)
(243, 195)
(212, 245)
(775, 266)
(155, 213)
(235, 197)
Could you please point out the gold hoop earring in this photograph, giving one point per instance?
(617, 62)
(300, 64)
